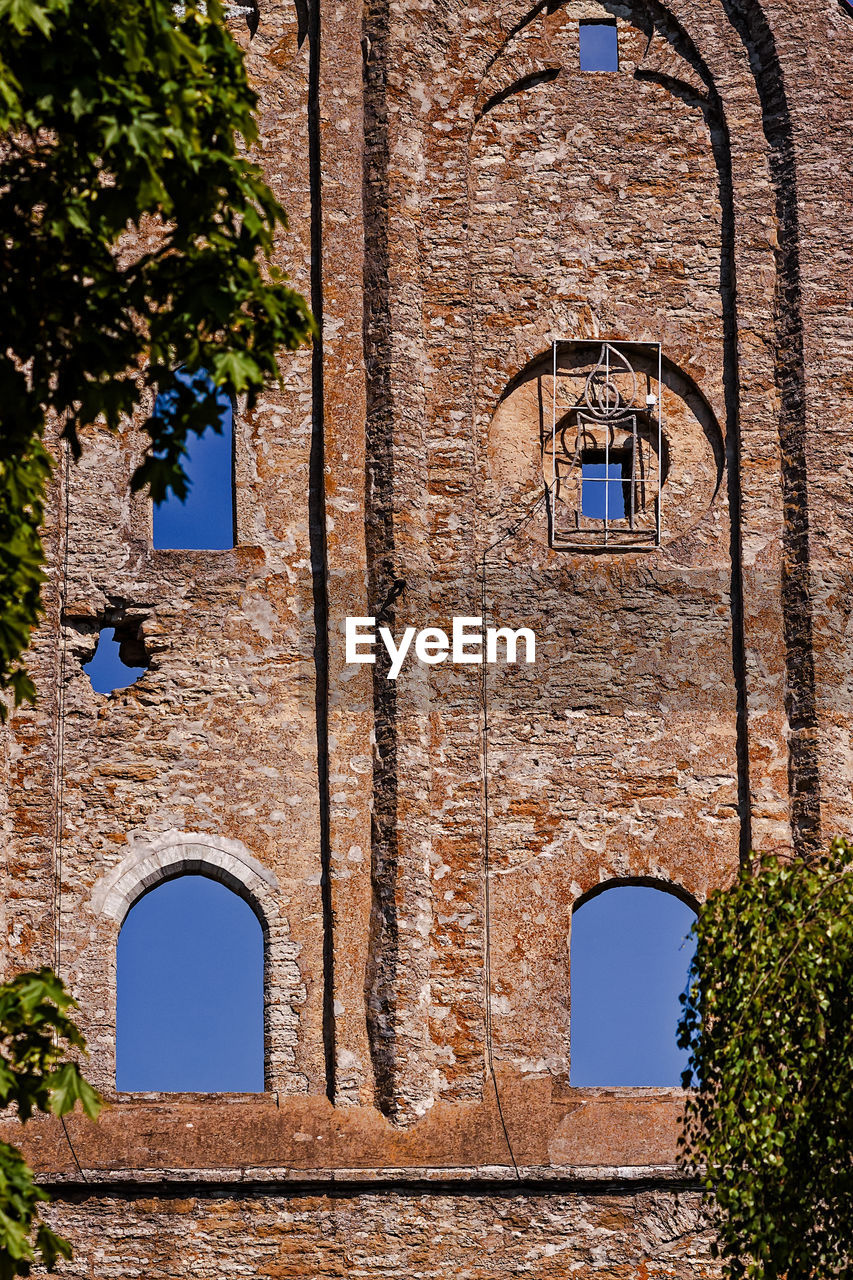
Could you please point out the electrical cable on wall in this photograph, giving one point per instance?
(59, 777)
(487, 910)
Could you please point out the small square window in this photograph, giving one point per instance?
(603, 485)
(599, 46)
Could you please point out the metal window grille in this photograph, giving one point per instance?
(603, 457)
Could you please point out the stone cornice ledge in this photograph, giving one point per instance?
(551, 1133)
(466, 1180)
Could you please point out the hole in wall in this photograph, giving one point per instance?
(120, 658)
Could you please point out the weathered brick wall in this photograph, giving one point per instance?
(687, 702)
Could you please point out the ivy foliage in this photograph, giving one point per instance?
(36, 1074)
(134, 243)
(768, 1021)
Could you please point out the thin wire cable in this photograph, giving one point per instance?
(487, 875)
(59, 789)
(59, 779)
(554, 419)
(71, 1149)
(513, 529)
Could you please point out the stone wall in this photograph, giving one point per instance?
(608, 1235)
(460, 195)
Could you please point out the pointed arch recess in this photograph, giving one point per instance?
(686, 68)
(709, 66)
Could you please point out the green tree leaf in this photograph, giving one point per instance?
(36, 1073)
(67, 1088)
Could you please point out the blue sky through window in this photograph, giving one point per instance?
(190, 954)
(205, 521)
(190, 1004)
(599, 46)
(629, 962)
(596, 477)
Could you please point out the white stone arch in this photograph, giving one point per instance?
(150, 861)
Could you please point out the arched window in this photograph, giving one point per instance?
(190, 991)
(630, 955)
(204, 520)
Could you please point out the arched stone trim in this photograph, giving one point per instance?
(642, 882)
(150, 861)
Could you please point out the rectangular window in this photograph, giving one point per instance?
(603, 486)
(603, 449)
(205, 519)
(599, 46)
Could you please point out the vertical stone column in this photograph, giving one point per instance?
(350, 713)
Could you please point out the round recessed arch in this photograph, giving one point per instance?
(583, 352)
(523, 454)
